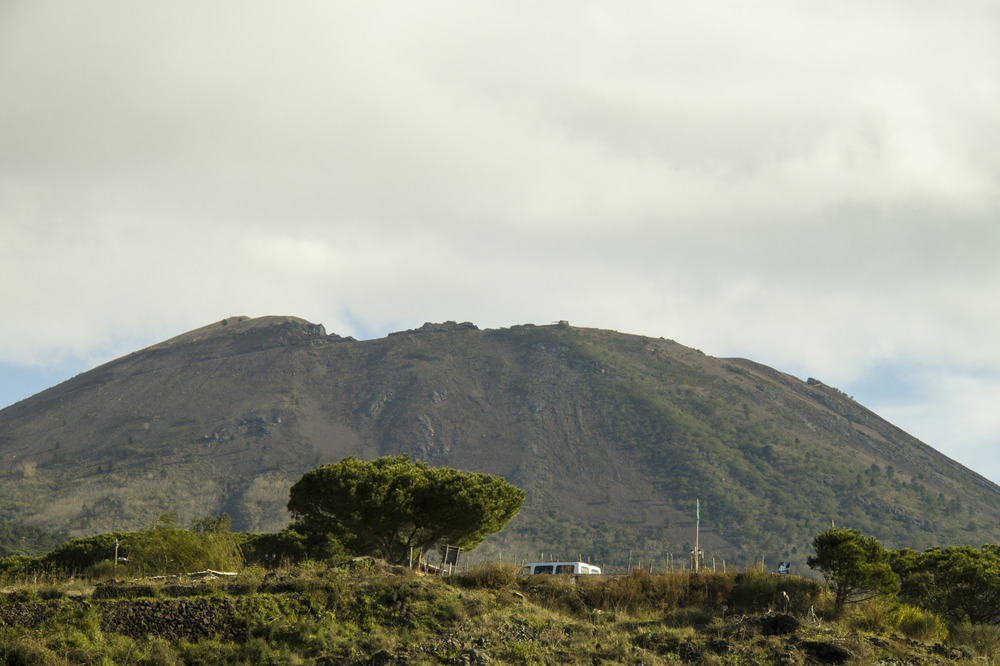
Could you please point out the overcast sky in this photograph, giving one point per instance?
(812, 185)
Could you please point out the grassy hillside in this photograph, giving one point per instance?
(365, 613)
(613, 437)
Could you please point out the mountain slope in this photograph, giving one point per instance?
(614, 436)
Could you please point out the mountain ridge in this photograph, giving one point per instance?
(613, 436)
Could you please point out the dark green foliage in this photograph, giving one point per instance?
(164, 548)
(17, 565)
(756, 591)
(977, 640)
(391, 505)
(490, 576)
(855, 566)
(918, 623)
(78, 555)
(274, 549)
(17, 539)
(960, 583)
(211, 524)
(168, 549)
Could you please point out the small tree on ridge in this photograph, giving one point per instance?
(855, 566)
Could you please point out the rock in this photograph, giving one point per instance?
(830, 653)
(776, 625)
(381, 658)
(720, 645)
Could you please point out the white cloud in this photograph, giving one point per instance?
(812, 187)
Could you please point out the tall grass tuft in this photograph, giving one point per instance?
(488, 576)
(26, 650)
(755, 591)
(872, 616)
(643, 591)
(918, 623)
(557, 593)
(976, 640)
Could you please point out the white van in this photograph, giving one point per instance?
(575, 568)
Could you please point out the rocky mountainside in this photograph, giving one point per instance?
(613, 437)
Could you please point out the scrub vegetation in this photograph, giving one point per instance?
(366, 612)
(75, 606)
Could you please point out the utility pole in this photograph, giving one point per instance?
(697, 530)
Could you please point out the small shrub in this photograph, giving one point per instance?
(51, 592)
(23, 595)
(14, 566)
(967, 651)
(558, 593)
(521, 652)
(982, 639)
(168, 549)
(79, 555)
(755, 591)
(872, 616)
(105, 570)
(160, 653)
(25, 651)
(637, 591)
(489, 576)
(685, 618)
(448, 610)
(613, 594)
(708, 589)
(918, 623)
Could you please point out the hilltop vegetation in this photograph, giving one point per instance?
(363, 612)
(77, 604)
(612, 436)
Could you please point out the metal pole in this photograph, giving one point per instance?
(697, 530)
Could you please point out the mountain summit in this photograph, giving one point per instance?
(613, 436)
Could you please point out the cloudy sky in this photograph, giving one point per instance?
(814, 186)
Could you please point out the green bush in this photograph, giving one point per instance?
(164, 548)
(755, 591)
(273, 550)
(168, 549)
(708, 589)
(79, 555)
(28, 651)
(18, 565)
(637, 591)
(106, 570)
(558, 593)
(23, 595)
(51, 592)
(981, 639)
(489, 576)
(918, 623)
(686, 617)
(872, 616)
